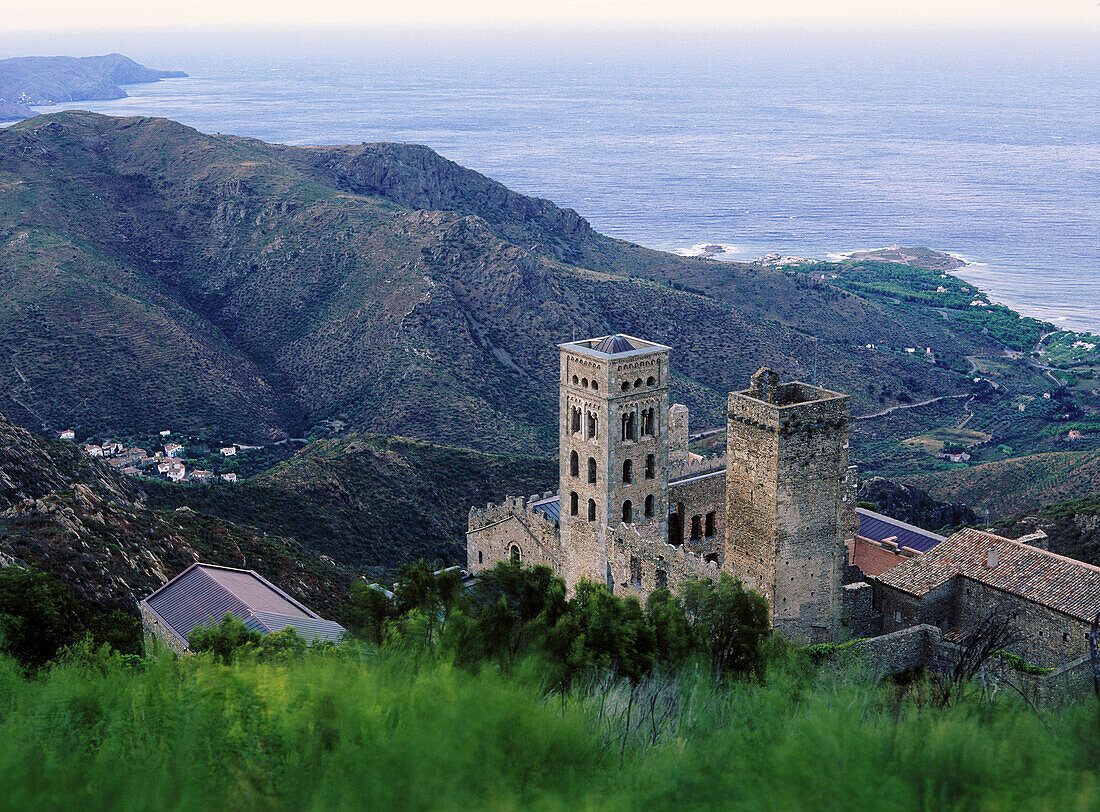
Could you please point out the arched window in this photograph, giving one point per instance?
(576, 380)
(584, 382)
(661, 579)
(574, 420)
(649, 427)
(574, 508)
(649, 500)
(574, 464)
(513, 553)
(591, 425)
(592, 469)
(709, 527)
(591, 510)
(628, 471)
(628, 512)
(628, 426)
(650, 381)
(650, 466)
(696, 528)
(595, 384)
(638, 383)
(480, 557)
(625, 386)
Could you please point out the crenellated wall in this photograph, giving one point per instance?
(637, 563)
(494, 529)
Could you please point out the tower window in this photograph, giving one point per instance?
(650, 381)
(591, 510)
(635, 571)
(592, 426)
(574, 420)
(676, 526)
(638, 383)
(625, 386)
(574, 501)
(574, 464)
(591, 470)
(649, 428)
(595, 384)
(584, 382)
(628, 426)
(576, 380)
(628, 512)
(513, 554)
(650, 466)
(628, 471)
(709, 527)
(696, 528)
(480, 557)
(649, 500)
(662, 579)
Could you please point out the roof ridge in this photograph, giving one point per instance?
(898, 522)
(1033, 549)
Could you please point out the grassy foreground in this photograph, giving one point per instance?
(353, 728)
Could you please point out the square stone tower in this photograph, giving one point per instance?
(787, 447)
(613, 448)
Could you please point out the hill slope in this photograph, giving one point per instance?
(160, 274)
(80, 520)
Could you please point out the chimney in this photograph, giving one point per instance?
(991, 559)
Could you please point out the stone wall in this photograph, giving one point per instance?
(677, 437)
(787, 500)
(860, 617)
(154, 628)
(495, 529)
(640, 564)
(694, 499)
(900, 609)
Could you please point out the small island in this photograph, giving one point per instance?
(924, 258)
(27, 81)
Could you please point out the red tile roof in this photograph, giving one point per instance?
(1064, 584)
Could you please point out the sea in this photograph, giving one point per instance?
(983, 142)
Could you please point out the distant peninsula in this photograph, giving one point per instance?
(920, 257)
(26, 81)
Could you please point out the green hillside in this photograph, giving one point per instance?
(157, 274)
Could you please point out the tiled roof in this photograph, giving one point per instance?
(205, 592)
(1060, 583)
(877, 527)
(614, 344)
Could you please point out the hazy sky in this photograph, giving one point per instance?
(70, 14)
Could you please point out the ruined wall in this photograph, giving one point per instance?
(640, 564)
(696, 498)
(494, 529)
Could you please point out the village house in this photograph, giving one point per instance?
(93, 450)
(230, 477)
(68, 434)
(229, 451)
(173, 449)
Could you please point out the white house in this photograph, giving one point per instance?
(229, 477)
(173, 449)
(93, 451)
(229, 451)
(68, 434)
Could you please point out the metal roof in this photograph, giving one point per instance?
(615, 344)
(205, 592)
(550, 508)
(877, 527)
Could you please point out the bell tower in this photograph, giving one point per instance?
(613, 448)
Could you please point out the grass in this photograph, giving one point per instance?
(355, 729)
(933, 441)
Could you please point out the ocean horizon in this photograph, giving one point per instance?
(983, 146)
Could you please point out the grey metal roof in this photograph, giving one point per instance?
(615, 344)
(550, 508)
(204, 592)
(878, 527)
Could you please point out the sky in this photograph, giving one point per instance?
(112, 14)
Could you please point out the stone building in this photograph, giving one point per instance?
(1050, 600)
(636, 510)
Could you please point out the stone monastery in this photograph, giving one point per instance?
(636, 510)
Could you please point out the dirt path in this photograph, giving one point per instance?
(909, 406)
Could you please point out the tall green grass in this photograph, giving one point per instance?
(356, 729)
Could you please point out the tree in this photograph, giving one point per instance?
(731, 621)
(224, 638)
(38, 616)
(368, 611)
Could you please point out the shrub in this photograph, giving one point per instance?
(224, 638)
